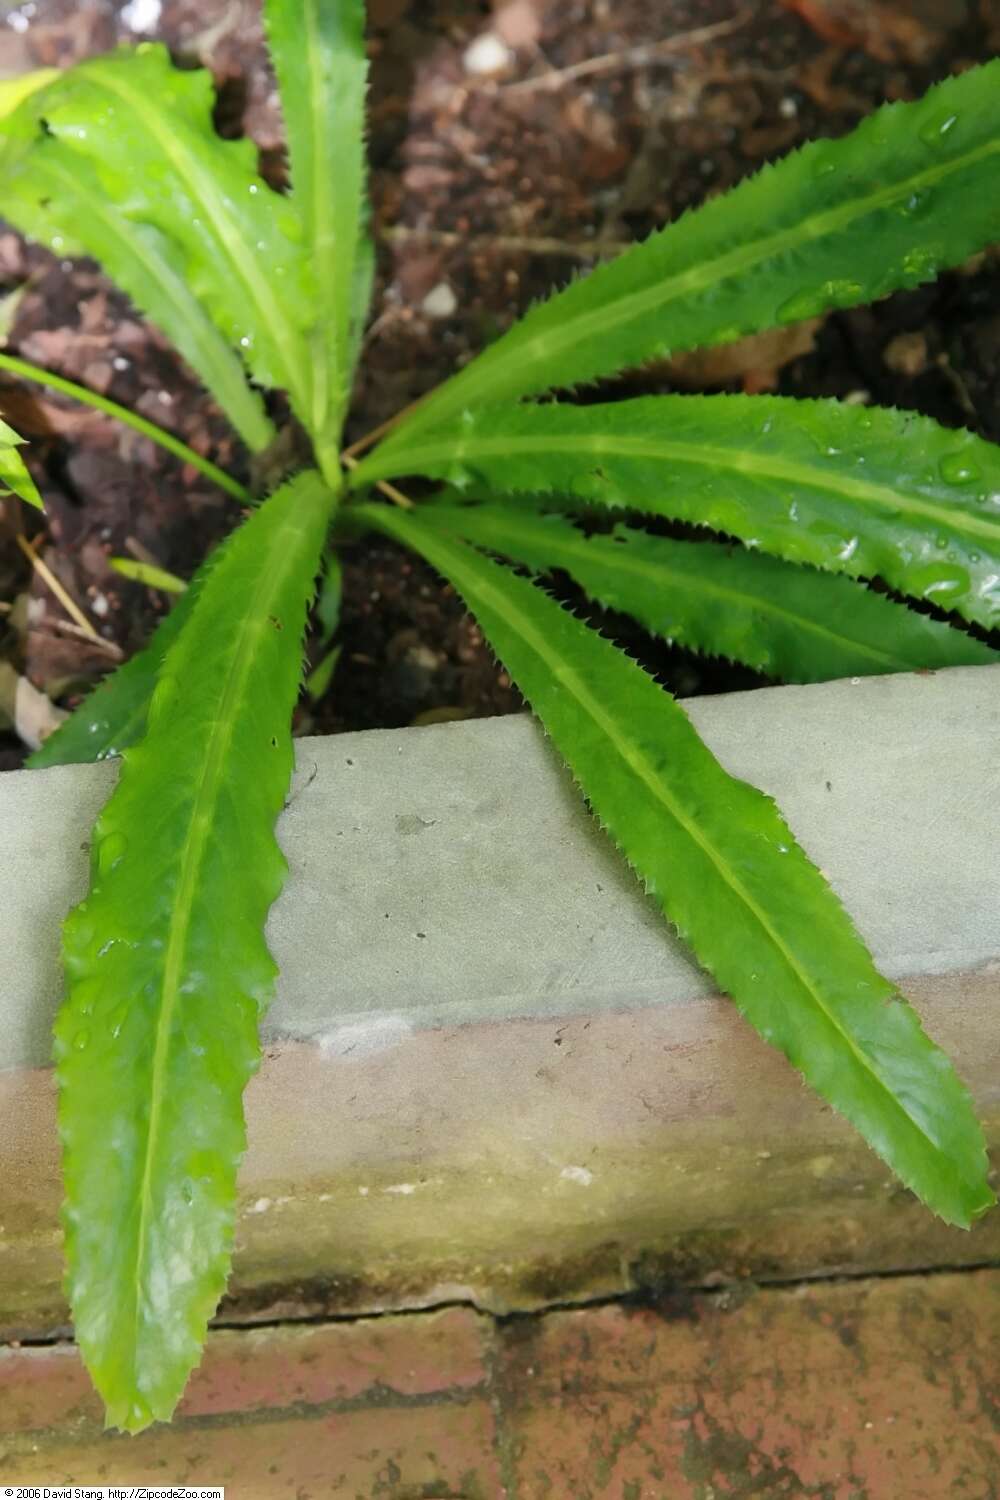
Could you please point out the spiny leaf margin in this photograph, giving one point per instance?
(119, 156)
(909, 192)
(723, 866)
(794, 623)
(867, 491)
(113, 715)
(168, 971)
(318, 51)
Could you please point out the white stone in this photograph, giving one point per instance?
(142, 15)
(487, 55)
(441, 302)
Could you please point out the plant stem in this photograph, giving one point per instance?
(328, 459)
(384, 428)
(396, 496)
(122, 414)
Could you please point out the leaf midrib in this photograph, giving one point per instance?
(271, 318)
(227, 376)
(212, 780)
(553, 341)
(757, 465)
(659, 573)
(319, 227)
(639, 763)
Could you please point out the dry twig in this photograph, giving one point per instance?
(68, 603)
(630, 57)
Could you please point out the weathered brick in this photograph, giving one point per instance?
(863, 1390)
(394, 1406)
(882, 1389)
(422, 1452)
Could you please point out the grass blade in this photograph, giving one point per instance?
(158, 435)
(14, 476)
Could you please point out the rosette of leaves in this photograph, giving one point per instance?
(801, 506)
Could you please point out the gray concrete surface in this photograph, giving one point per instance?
(451, 874)
(491, 1070)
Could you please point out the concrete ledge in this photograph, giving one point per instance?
(491, 1072)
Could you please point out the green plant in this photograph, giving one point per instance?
(166, 965)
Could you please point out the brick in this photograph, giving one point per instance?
(394, 1406)
(431, 1452)
(866, 1390)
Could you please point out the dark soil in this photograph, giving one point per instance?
(488, 192)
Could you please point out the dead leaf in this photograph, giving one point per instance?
(755, 360)
(31, 715)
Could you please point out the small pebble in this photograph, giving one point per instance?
(906, 354)
(440, 302)
(142, 15)
(487, 55)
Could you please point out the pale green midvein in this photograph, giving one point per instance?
(271, 315)
(757, 465)
(647, 773)
(326, 342)
(553, 341)
(242, 406)
(656, 572)
(272, 577)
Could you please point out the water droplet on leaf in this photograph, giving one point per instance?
(942, 582)
(955, 468)
(110, 852)
(938, 128)
(915, 204)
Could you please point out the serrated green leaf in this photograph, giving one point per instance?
(789, 622)
(61, 204)
(721, 863)
(168, 971)
(119, 157)
(866, 492)
(912, 190)
(318, 680)
(113, 716)
(318, 50)
(364, 282)
(13, 91)
(14, 476)
(328, 599)
(326, 612)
